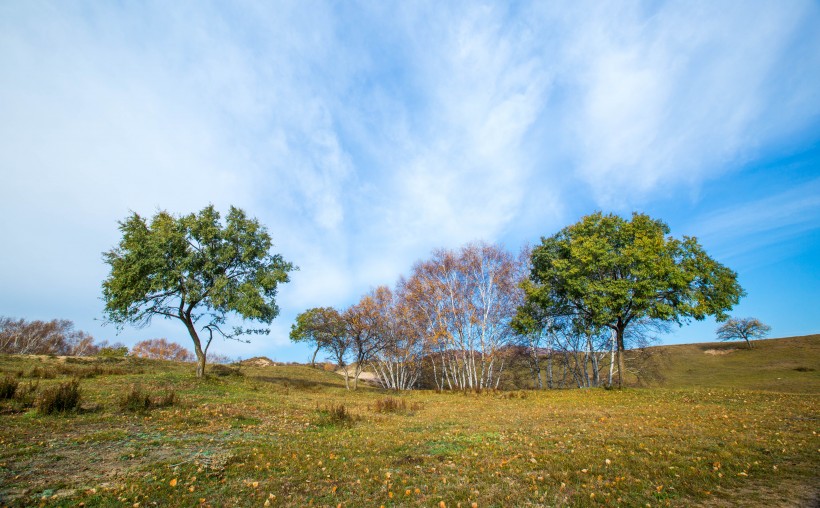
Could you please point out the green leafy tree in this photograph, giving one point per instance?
(743, 328)
(317, 327)
(194, 269)
(606, 271)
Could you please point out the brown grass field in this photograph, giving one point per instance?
(721, 426)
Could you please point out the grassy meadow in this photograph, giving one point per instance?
(732, 428)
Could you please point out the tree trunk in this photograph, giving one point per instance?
(200, 353)
(621, 369)
(313, 360)
(536, 371)
(611, 359)
(549, 369)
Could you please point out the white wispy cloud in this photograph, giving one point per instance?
(774, 220)
(678, 93)
(365, 135)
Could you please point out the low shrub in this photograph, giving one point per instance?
(169, 398)
(41, 372)
(224, 370)
(86, 372)
(8, 387)
(138, 400)
(113, 352)
(394, 405)
(60, 398)
(339, 413)
(336, 414)
(390, 405)
(26, 394)
(135, 399)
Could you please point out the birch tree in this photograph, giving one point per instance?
(398, 363)
(466, 299)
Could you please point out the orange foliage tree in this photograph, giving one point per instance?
(161, 349)
(465, 301)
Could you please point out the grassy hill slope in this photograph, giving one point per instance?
(790, 365)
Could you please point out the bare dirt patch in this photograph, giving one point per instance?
(719, 351)
(258, 361)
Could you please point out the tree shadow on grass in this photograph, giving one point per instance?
(291, 382)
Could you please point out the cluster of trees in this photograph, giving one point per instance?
(609, 274)
(60, 337)
(592, 290)
(586, 292)
(455, 308)
(55, 337)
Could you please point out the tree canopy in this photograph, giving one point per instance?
(743, 328)
(318, 327)
(194, 269)
(609, 272)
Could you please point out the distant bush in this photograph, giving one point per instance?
(224, 370)
(161, 349)
(8, 387)
(85, 372)
(138, 400)
(216, 358)
(60, 398)
(114, 351)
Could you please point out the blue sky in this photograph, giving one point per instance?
(364, 135)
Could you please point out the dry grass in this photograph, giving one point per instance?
(138, 400)
(59, 398)
(395, 405)
(8, 387)
(781, 365)
(271, 436)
